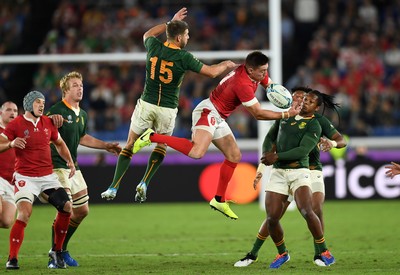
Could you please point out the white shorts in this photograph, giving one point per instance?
(206, 117)
(7, 191)
(26, 188)
(317, 183)
(147, 115)
(76, 184)
(286, 181)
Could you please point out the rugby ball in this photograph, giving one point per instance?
(279, 96)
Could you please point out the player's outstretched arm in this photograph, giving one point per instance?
(217, 69)
(92, 142)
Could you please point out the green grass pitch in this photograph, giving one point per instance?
(190, 238)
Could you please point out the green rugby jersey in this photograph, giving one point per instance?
(294, 137)
(166, 65)
(73, 128)
(328, 130)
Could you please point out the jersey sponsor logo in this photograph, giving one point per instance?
(21, 183)
(46, 131)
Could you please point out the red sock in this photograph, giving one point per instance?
(60, 229)
(16, 238)
(225, 175)
(179, 144)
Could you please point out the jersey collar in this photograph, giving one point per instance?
(171, 45)
(76, 110)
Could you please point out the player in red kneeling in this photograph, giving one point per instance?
(30, 135)
(209, 122)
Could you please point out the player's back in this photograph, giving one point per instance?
(166, 65)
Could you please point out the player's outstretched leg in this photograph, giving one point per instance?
(142, 141)
(224, 208)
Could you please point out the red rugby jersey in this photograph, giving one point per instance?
(35, 159)
(234, 89)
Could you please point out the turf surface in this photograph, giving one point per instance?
(190, 238)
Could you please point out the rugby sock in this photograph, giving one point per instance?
(124, 160)
(16, 238)
(225, 175)
(321, 245)
(316, 250)
(182, 145)
(60, 229)
(155, 160)
(73, 225)
(281, 246)
(257, 244)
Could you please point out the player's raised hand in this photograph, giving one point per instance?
(180, 15)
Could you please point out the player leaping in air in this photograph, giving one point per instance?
(209, 122)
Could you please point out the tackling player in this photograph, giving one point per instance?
(30, 135)
(209, 122)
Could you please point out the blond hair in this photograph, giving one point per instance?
(64, 81)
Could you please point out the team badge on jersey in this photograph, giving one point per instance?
(302, 125)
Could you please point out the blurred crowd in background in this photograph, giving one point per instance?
(347, 48)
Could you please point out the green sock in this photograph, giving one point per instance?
(73, 226)
(281, 246)
(124, 160)
(321, 245)
(257, 244)
(155, 160)
(316, 249)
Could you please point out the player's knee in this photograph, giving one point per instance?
(60, 200)
(272, 221)
(80, 207)
(7, 222)
(197, 153)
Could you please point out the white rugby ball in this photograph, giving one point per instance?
(279, 96)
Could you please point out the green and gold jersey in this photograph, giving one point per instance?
(166, 66)
(328, 130)
(73, 128)
(294, 137)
